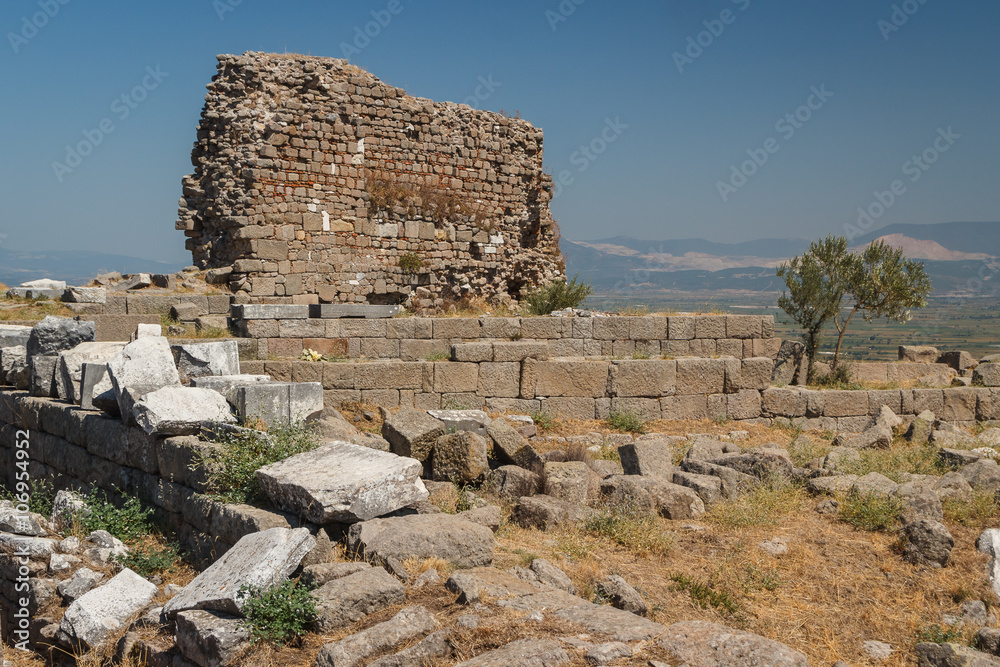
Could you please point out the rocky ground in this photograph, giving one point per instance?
(762, 546)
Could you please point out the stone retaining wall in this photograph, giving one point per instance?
(81, 449)
(590, 388)
(417, 338)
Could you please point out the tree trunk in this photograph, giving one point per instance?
(840, 339)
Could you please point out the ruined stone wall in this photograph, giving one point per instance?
(316, 181)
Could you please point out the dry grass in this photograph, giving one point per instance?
(31, 311)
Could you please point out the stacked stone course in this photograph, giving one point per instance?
(314, 179)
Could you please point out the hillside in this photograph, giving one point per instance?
(953, 253)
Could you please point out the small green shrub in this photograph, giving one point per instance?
(870, 511)
(838, 379)
(232, 471)
(41, 494)
(410, 262)
(147, 560)
(627, 523)
(280, 614)
(979, 510)
(625, 421)
(556, 296)
(543, 420)
(438, 356)
(128, 523)
(938, 634)
(705, 595)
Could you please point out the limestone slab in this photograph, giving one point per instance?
(343, 482)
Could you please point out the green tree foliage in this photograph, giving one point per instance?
(879, 282)
(816, 284)
(883, 283)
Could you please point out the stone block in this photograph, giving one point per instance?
(460, 457)
(611, 328)
(987, 375)
(958, 360)
(518, 351)
(418, 350)
(348, 599)
(743, 326)
(700, 376)
(56, 334)
(650, 327)
(845, 403)
(729, 347)
(745, 404)
(42, 375)
(500, 327)
(69, 372)
(680, 327)
(412, 433)
(755, 373)
(544, 328)
(456, 328)
(343, 482)
(870, 372)
(397, 539)
(201, 359)
(105, 609)
(649, 458)
(710, 326)
(500, 380)
(474, 421)
(570, 407)
(891, 398)
(387, 375)
(409, 623)
(643, 377)
(12, 335)
(261, 311)
(959, 405)
(475, 352)
(210, 639)
(260, 559)
(279, 402)
(567, 481)
(180, 410)
(310, 328)
(921, 354)
(928, 399)
(354, 310)
(454, 378)
(647, 409)
(572, 378)
(686, 407)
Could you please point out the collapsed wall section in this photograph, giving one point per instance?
(314, 180)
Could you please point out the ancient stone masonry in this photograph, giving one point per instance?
(316, 181)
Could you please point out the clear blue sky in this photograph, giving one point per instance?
(607, 61)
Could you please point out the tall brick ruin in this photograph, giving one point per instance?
(314, 180)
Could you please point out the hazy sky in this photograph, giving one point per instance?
(823, 104)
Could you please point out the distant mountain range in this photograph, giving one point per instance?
(76, 267)
(952, 252)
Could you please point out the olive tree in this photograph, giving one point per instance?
(816, 284)
(879, 281)
(882, 283)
